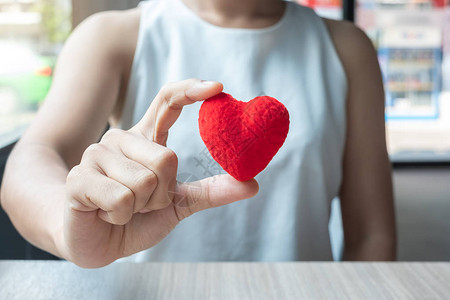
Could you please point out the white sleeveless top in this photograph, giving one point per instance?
(293, 61)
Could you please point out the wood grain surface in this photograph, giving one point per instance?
(63, 280)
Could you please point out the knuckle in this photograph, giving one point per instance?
(78, 174)
(166, 91)
(77, 180)
(169, 94)
(168, 159)
(72, 179)
(146, 180)
(167, 88)
(74, 174)
(192, 81)
(93, 151)
(186, 95)
(121, 219)
(123, 201)
(112, 135)
(207, 195)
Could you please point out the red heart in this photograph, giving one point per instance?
(243, 137)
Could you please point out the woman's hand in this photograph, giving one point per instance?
(123, 197)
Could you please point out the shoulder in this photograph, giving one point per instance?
(342, 30)
(353, 46)
(113, 19)
(111, 34)
(358, 57)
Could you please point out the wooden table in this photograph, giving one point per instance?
(62, 280)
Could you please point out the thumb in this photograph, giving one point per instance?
(210, 192)
(168, 103)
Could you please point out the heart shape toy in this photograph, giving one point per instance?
(243, 137)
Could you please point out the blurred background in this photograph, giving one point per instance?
(31, 35)
(412, 38)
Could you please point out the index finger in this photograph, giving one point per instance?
(168, 103)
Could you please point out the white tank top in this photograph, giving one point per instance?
(293, 61)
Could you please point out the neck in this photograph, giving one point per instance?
(238, 13)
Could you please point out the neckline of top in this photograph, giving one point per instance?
(267, 29)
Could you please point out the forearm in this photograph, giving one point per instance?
(375, 247)
(33, 193)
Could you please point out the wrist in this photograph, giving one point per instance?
(58, 234)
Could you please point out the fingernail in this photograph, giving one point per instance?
(207, 82)
(202, 85)
(198, 89)
(144, 211)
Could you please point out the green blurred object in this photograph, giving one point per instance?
(30, 88)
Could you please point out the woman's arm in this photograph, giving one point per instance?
(85, 90)
(366, 192)
(120, 195)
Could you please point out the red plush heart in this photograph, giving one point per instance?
(243, 137)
